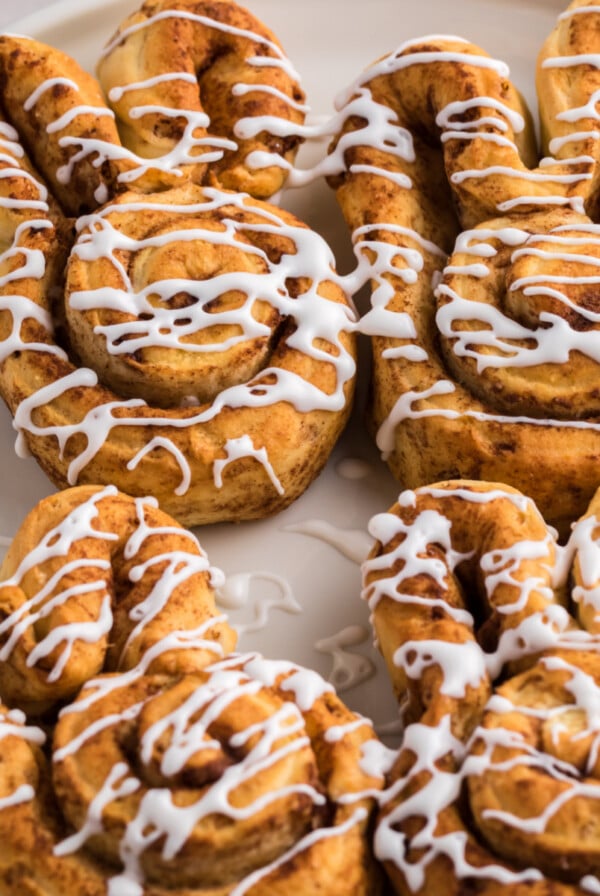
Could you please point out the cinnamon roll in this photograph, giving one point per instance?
(243, 778)
(202, 352)
(203, 88)
(482, 262)
(95, 580)
(489, 628)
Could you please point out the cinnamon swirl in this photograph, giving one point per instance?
(484, 363)
(494, 789)
(243, 778)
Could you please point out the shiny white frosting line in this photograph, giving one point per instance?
(176, 567)
(316, 319)
(442, 764)
(187, 725)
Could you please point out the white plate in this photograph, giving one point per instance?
(266, 562)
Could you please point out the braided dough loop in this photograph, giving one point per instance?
(496, 778)
(244, 778)
(275, 429)
(205, 87)
(95, 580)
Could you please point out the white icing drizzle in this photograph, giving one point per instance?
(354, 544)
(193, 147)
(338, 732)
(236, 592)
(115, 93)
(316, 319)
(235, 449)
(13, 723)
(592, 59)
(168, 445)
(207, 23)
(579, 10)
(465, 664)
(115, 787)
(349, 669)
(280, 734)
(404, 409)
(46, 85)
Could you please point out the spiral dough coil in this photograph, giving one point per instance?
(489, 628)
(207, 335)
(483, 261)
(243, 778)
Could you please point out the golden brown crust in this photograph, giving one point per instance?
(182, 78)
(251, 441)
(95, 580)
(467, 584)
(231, 786)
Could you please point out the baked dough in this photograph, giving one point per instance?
(482, 262)
(202, 88)
(474, 605)
(97, 581)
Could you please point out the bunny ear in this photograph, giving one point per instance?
(97, 580)
(438, 121)
(60, 119)
(461, 586)
(203, 89)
